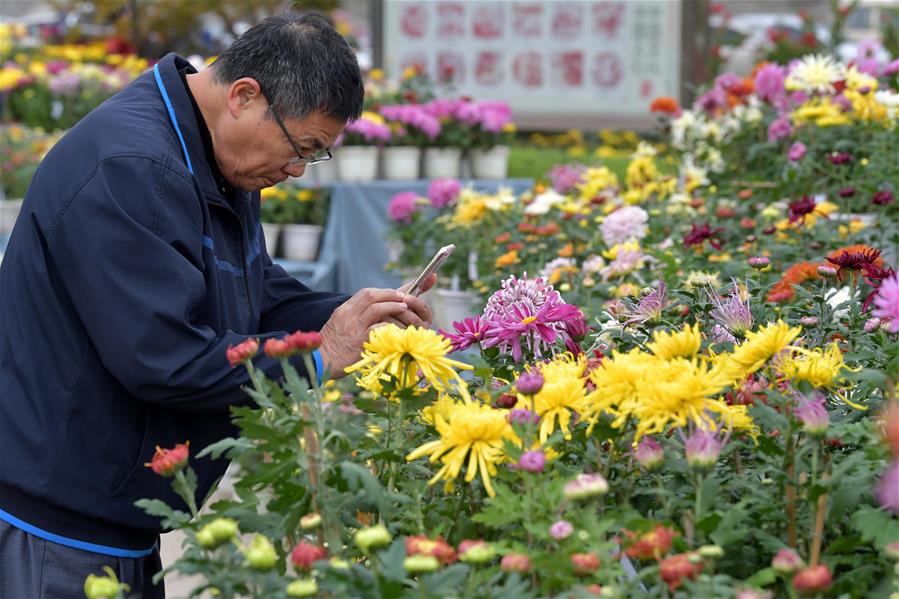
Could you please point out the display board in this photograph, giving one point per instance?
(585, 57)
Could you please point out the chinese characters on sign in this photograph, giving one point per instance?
(597, 57)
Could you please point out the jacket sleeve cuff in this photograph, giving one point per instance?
(319, 365)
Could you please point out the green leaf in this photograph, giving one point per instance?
(172, 519)
(392, 561)
(876, 526)
(762, 578)
(229, 444)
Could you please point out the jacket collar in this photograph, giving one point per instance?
(190, 129)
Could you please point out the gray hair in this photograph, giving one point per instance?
(301, 64)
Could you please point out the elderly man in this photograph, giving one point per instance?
(137, 261)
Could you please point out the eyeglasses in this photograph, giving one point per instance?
(317, 156)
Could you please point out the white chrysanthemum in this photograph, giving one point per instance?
(815, 73)
(891, 101)
(544, 202)
(644, 150)
(682, 128)
(592, 265)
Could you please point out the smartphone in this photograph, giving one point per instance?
(436, 262)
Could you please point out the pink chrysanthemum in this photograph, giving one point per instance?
(527, 313)
(468, 332)
(626, 223)
(733, 313)
(402, 206)
(443, 192)
(886, 303)
(649, 308)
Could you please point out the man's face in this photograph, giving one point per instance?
(251, 149)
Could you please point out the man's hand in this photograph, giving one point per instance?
(350, 324)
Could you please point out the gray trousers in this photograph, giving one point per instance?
(32, 568)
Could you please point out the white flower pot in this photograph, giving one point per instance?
(300, 242)
(451, 306)
(356, 163)
(443, 163)
(490, 164)
(401, 163)
(271, 232)
(9, 212)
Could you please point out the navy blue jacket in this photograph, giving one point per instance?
(125, 280)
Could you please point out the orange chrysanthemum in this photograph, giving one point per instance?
(665, 104)
(797, 274)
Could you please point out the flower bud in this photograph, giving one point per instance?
(872, 324)
(102, 587)
(305, 554)
(304, 342)
(711, 552)
(167, 462)
(218, 532)
(506, 401)
(702, 449)
(205, 538)
(812, 580)
(676, 568)
(787, 561)
(372, 537)
(439, 548)
(808, 321)
(304, 587)
(242, 352)
(529, 383)
(278, 348)
(476, 551)
(585, 563)
(339, 564)
(585, 486)
(759, 262)
(515, 562)
(561, 529)
(261, 554)
(828, 272)
(754, 594)
(883, 198)
(649, 454)
(532, 461)
(310, 521)
(813, 415)
(418, 564)
(522, 416)
(892, 551)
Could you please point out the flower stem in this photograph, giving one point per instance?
(791, 493)
(697, 505)
(186, 493)
(818, 532)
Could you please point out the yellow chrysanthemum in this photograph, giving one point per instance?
(819, 368)
(469, 211)
(676, 392)
(595, 181)
(469, 432)
(563, 392)
(737, 419)
(677, 344)
(442, 406)
(617, 382)
(400, 353)
(759, 347)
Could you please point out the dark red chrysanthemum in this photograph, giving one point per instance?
(699, 234)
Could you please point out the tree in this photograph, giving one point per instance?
(155, 27)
